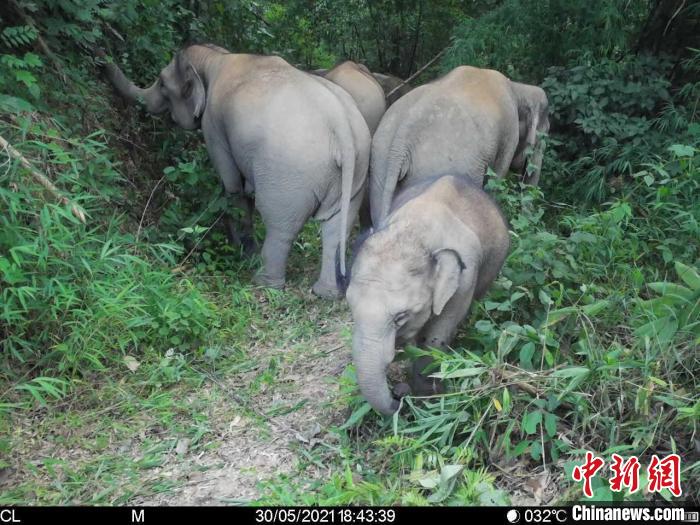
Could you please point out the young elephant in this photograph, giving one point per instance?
(298, 141)
(467, 121)
(414, 278)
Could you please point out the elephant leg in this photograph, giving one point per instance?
(239, 228)
(327, 285)
(437, 333)
(246, 237)
(275, 251)
(239, 224)
(504, 159)
(284, 215)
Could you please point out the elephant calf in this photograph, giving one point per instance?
(414, 278)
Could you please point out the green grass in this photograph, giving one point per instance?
(587, 341)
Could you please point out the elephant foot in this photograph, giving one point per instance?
(326, 290)
(262, 279)
(421, 383)
(427, 386)
(402, 390)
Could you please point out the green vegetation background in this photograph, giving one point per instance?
(588, 341)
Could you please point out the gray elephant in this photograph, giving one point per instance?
(463, 123)
(414, 278)
(357, 80)
(389, 83)
(297, 141)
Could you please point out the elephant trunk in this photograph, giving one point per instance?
(538, 153)
(152, 97)
(372, 357)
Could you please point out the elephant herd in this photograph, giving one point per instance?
(330, 144)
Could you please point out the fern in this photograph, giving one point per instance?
(18, 36)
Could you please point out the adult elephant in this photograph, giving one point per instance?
(357, 80)
(389, 84)
(297, 141)
(467, 121)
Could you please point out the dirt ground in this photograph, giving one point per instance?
(254, 449)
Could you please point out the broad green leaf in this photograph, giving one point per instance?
(461, 372)
(550, 424)
(544, 298)
(357, 416)
(689, 275)
(682, 150)
(557, 315)
(531, 420)
(506, 343)
(520, 448)
(536, 450)
(593, 308)
(10, 104)
(665, 288)
(572, 371)
(526, 353)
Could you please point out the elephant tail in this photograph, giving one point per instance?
(385, 176)
(346, 159)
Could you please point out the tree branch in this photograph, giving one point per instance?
(417, 73)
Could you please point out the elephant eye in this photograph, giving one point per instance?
(400, 318)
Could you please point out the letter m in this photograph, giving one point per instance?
(137, 516)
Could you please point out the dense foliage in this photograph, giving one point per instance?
(588, 341)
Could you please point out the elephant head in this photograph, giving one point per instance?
(179, 87)
(533, 120)
(394, 87)
(403, 275)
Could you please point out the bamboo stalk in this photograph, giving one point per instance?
(43, 180)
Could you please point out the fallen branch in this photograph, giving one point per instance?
(417, 73)
(148, 202)
(43, 180)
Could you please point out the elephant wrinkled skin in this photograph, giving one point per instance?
(296, 140)
(461, 124)
(414, 278)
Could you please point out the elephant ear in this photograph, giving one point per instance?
(447, 270)
(193, 91)
(456, 251)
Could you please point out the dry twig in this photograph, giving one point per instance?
(415, 75)
(43, 180)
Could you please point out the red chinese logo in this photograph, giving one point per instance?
(665, 474)
(587, 471)
(626, 474)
